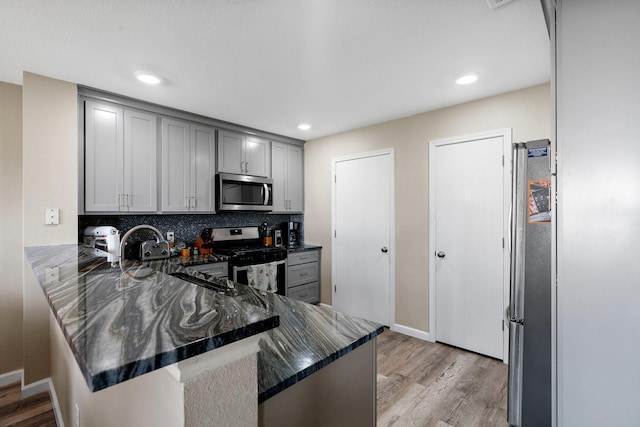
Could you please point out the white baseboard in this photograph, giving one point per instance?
(416, 333)
(55, 404)
(34, 388)
(11, 377)
(412, 332)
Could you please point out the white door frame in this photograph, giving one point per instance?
(506, 151)
(392, 225)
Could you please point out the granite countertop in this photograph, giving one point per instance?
(309, 336)
(304, 247)
(122, 325)
(91, 300)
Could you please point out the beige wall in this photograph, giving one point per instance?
(50, 180)
(10, 227)
(526, 111)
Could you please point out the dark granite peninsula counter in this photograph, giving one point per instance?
(119, 326)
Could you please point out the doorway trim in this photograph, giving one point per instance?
(506, 135)
(392, 225)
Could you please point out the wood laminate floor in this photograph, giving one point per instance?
(430, 384)
(32, 411)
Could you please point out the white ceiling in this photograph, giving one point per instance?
(272, 64)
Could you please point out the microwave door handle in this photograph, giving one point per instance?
(265, 193)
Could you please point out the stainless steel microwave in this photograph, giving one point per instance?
(243, 193)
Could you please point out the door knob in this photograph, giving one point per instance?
(441, 254)
(384, 249)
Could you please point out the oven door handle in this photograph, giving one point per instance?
(236, 269)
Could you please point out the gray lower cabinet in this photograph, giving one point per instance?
(303, 276)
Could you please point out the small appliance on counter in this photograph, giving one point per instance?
(265, 232)
(146, 250)
(104, 238)
(292, 233)
(277, 237)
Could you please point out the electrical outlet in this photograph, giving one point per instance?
(170, 236)
(51, 275)
(52, 216)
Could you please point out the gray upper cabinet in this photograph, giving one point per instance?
(243, 154)
(120, 159)
(188, 167)
(286, 170)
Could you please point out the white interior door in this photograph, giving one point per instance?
(469, 220)
(362, 253)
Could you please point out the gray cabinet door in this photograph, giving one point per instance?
(120, 159)
(175, 166)
(286, 171)
(243, 154)
(257, 157)
(188, 167)
(295, 185)
(203, 168)
(104, 139)
(230, 152)
(140, 160)
(279, 176)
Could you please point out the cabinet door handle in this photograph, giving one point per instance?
(128, 204)
(195, 202)
(246, 167)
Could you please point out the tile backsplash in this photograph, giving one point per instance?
(187, 227)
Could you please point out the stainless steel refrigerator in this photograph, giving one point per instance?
(529, 311)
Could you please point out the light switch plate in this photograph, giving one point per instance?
(52, 216)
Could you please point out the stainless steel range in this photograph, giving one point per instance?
(250, 262)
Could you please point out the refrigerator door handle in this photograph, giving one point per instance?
(514, 389)
(518, 220)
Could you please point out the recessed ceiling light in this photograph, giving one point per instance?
(148, 78)
(467, 79)
(304, 126)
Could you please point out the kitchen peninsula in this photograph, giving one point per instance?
(121, 325)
